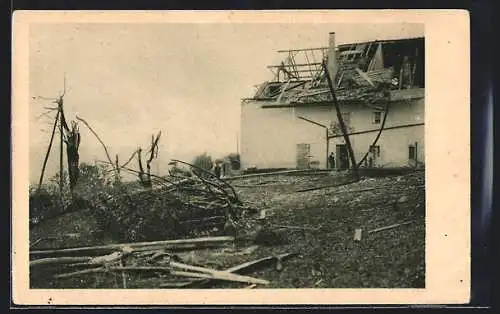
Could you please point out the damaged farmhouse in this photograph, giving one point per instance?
(274, 214)
(291, 121)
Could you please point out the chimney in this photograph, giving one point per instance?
(331, 41)
(332, 57)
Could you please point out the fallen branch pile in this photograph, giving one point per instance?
(174, 207)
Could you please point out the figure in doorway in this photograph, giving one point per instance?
(371, 158)
(331, 160)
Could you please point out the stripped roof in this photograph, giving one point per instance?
(362, 69)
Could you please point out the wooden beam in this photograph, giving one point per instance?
(387, 128)
(217, 274)
(241, 268)
(294, 65)
(303, 49)
(139, 246)
(342, 124)
(390, 227)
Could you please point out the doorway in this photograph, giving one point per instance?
(303, 153)
(342, 157)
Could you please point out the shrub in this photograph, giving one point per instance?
(234, 159)
(203, 161)
(47, 202)
(144, 215)
(44, 202)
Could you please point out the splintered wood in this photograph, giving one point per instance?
(148, 259)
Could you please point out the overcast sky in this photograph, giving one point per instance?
(131, 80)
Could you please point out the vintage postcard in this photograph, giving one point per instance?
(241, 157)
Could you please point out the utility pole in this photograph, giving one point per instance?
(342, 125)
(48, 150)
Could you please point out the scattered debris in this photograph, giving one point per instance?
(279, 265)
(352, 191)
(262, 214)
(325, 187)
(390, 227)
(206, 260)
(36, 242)
(357, 234)
(403, 199)
(296, 227)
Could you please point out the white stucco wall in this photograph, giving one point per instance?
(269, 136)
(393, 142)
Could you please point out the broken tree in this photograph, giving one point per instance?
(69, 136)
(145, 177)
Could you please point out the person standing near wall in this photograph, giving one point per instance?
(331, 160)
(217, 170)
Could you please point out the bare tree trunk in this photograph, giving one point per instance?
(153, 154)
(72, 145)
(141, 169)
(144, 180)
(117, 164)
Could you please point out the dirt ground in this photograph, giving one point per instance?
(317, 225)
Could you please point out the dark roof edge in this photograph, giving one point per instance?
(384, 41)
(381, 41)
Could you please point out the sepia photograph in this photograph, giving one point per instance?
(208, 155)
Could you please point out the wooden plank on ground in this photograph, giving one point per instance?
(390, 227)
(140, 246)
(217, 274)
(238, 269)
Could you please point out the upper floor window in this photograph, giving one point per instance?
(377, 115)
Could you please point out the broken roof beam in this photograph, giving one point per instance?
(351, 52)
(308, 70)
(303, 49)
(294, 65)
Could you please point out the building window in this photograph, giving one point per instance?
(377, 117)
(375, 150)
(411, 152)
